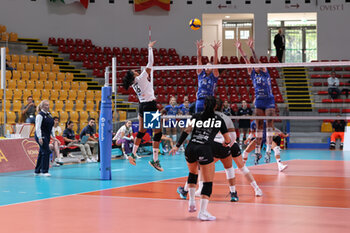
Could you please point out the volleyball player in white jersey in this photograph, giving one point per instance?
(143, 87)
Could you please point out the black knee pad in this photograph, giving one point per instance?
(192, 178)
(140, 134)
(277, 140)
(207, 188)
(235, 150)
(157, 137)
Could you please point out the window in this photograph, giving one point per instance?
(244, 34)
(229, 35)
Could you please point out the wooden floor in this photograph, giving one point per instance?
(310, 196)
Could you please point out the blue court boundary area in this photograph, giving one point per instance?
(23, 186)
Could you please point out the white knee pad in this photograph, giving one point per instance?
(259, 133)
(230, 173)
(244, 170)
(277, 150)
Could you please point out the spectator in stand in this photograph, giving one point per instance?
(70, 140)
(56, 127)
(28, 111)
(339, 128)
(227, 110)
(333, 86)
(171, 110)
(244, 124)
(55, 144)
(125, 139)
(90, 131)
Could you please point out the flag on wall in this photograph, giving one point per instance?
(85, 3)
(141, 5)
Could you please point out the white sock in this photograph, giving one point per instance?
(186, 187)
(254, 185)
(257, 149)
(232, 188)
(278, 162)
(191, 196)
(155, 154)
(200, 186)
(203, 205)
(268, 148)
(134, 149)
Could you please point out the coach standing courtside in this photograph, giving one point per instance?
(43, 131)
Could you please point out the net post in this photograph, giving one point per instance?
(3, 83)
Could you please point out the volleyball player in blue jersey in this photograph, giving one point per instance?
(264, 99)
(207, 78)
(171, 110)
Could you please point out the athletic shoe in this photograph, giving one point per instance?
(282, 167)
(55, 164)
(258, 192)
(156, 165)
(206, 216)
(36, 174)
(267, 157)
(125, 156)
(45, 174)
(137, 156)
(181, 191)
(88, 160)
(192, 208)
(257, 158)
(234, 196)
(132, 160)
(94, 160)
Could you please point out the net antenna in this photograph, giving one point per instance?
(3, 83)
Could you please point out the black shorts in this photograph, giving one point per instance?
(219, 151)
(150, 106)
(197, 152)
(235, 150)
(277, 140)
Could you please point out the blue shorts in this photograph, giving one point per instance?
(265, 103)
(200, 105)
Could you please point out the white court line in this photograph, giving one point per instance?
(268, 186)
(217, 202)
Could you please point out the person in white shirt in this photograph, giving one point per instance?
(55, 144)
(143, 87)
(333, 86)
(124, 138)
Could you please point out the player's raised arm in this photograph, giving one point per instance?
(199, 44)
(216, 45)
(150, 57)
(250, 43)
(238, 44)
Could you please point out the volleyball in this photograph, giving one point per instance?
(195, 24)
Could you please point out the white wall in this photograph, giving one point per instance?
(117, 25)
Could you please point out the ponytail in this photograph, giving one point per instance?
(209, 106)
(128, 79)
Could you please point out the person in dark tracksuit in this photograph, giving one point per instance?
(43, 132)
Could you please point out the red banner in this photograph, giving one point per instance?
(141, 5)
(18, 154)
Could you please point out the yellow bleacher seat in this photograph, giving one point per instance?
(46, 67)
(2, 28)
(66, 85)
(84, 116)
(11, 84)
(33, 59)
(54, 94)
(52, 76)
(83, 125)
(14, 58)
(45, 94)
(74, 116)
(90, 105)
(34, 75)
(63, 94)
(38, 67)
(41, 60)
(60, 76)
(1, 95)
(16, 105)
(5, 36)
(122, 115)
(69, 105)
(17, 94)
(36, 93)
(81, 95)
(26, 93)
(16, 74)
(10, 117)
(57, 85)
(79, 105)
(326, 127)
(55, 68)
(43, 76)
(39, 84)
(59, 105)
(90, 95)
(29, 67)
(74, 85)
(72, 94)
(25, 75)
(97, 95)
(48, 85)
(93, 114)
(8, 57)
(69, 77)
(23, 58)
(21, 84)
(83, 85)
(50, 60)
(20, 66)
(13, 37)
(1, 118)
(8, 74)
(30, 84)
(54, 113)
(8, 106)
(9, 94)
(63, 116)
